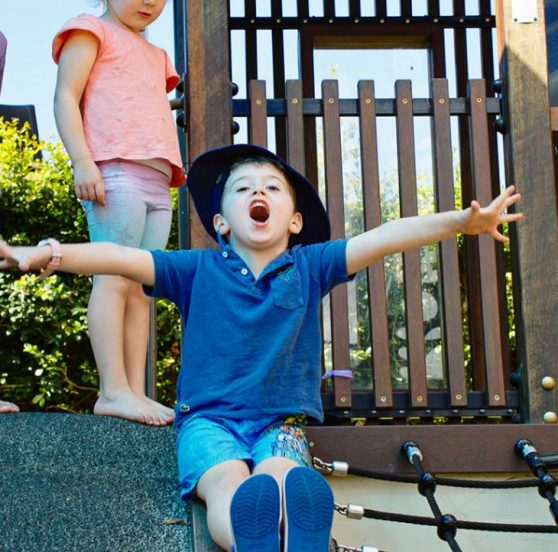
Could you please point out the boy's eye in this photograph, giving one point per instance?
(242, 188)
(272, 187)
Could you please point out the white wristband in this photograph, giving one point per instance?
(55, 259)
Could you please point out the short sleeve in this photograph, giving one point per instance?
(84, 22)
(171, 75)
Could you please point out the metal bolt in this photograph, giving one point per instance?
(548, 383)
(442, 100)
(331, 100)
(383, 399)
(405, 100)
(458, 396)
(259, 101)
(294, 100)
(550, 417)
(419, 398)
(368, 101)
(496, 397)
(479, 100)
(343, 398)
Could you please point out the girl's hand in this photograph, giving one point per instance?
(88, 182)
(485, 220)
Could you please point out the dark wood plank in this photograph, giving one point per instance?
(251, 43)
(295, 125)
(446, 449)
(257, 128)
(372, 219)
(354, 8)
(529, 161)
(381, 8)
(278, 56)
(329, 8)
(202, 541)
(434, 8)
(487, 248)
(411, 259)
(335, 208)
(209, 115)
(406, 8)
(452, 328)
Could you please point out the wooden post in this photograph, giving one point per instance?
(530, 166)
(209, 99)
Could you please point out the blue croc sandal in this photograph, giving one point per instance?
(308, 511)
(255, 515)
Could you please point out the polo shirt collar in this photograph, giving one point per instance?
(230, 256)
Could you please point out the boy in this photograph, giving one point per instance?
(250, 373)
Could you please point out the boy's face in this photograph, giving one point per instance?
(135, 15)
(257, 208)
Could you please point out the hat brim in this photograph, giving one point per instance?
(206, 169)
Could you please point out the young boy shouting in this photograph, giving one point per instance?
(251, 356)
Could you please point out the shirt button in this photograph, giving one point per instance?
(244, 271)
(184, 408)
(225, 254)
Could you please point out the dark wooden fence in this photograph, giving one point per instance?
(471, 282)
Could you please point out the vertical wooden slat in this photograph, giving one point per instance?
(406, 8)
(354, 8)
(302, 8)
(335, 208)
(452, 330)
(381, 8)
(257, 128)
(487, 248)
(411, 259)
(251, 43)
(277, 45)
(295, 126)
(329, 8)
(433, 8)
(373, 218)
(471, 253)
(209, 115)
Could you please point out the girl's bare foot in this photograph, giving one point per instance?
(159, 406)
(6, 407)
(130, 407)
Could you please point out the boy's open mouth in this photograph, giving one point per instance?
(259, 211)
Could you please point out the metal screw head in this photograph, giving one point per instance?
(550, 417)
(548, 383)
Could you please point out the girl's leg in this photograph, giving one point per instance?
(216, 488)
(106, 311)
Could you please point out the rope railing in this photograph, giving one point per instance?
(447, 524)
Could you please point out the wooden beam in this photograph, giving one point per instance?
(530, 166)
(445, 448)
(209, 100)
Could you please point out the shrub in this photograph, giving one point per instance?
(47, 362)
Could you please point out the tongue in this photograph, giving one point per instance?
(259, 213)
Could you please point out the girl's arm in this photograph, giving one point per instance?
(84, 258)
(74, 67)
(412, 232)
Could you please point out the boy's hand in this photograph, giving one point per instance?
(485, 220)
(24, 258)
(88, 182)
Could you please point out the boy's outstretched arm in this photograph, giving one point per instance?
(412, 232)
(84, 258)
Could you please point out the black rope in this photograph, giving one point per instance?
(449, 482)
(472, 525)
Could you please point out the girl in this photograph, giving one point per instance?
(114, 118)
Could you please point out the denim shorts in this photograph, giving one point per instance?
(138, 210)
(204, 442)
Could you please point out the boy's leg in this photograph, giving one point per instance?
(216, 488)
(6, 407)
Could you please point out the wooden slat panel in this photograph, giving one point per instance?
(372, 219)
(257, 129)
(302, 8)
(434, 8)
(452, 329)
(446, 449)
(329, 8)
(295, 125)
(487, 247)
(335, 207)
(411, 259)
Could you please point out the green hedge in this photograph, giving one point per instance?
(46, 358)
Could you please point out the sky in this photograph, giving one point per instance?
(30, 73)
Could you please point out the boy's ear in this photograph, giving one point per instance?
(295, 226)
(221, 225)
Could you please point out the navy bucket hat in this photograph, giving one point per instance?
(209, 172)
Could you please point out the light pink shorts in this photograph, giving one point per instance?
(138, 210)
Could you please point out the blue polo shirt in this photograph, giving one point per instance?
(251, 348)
